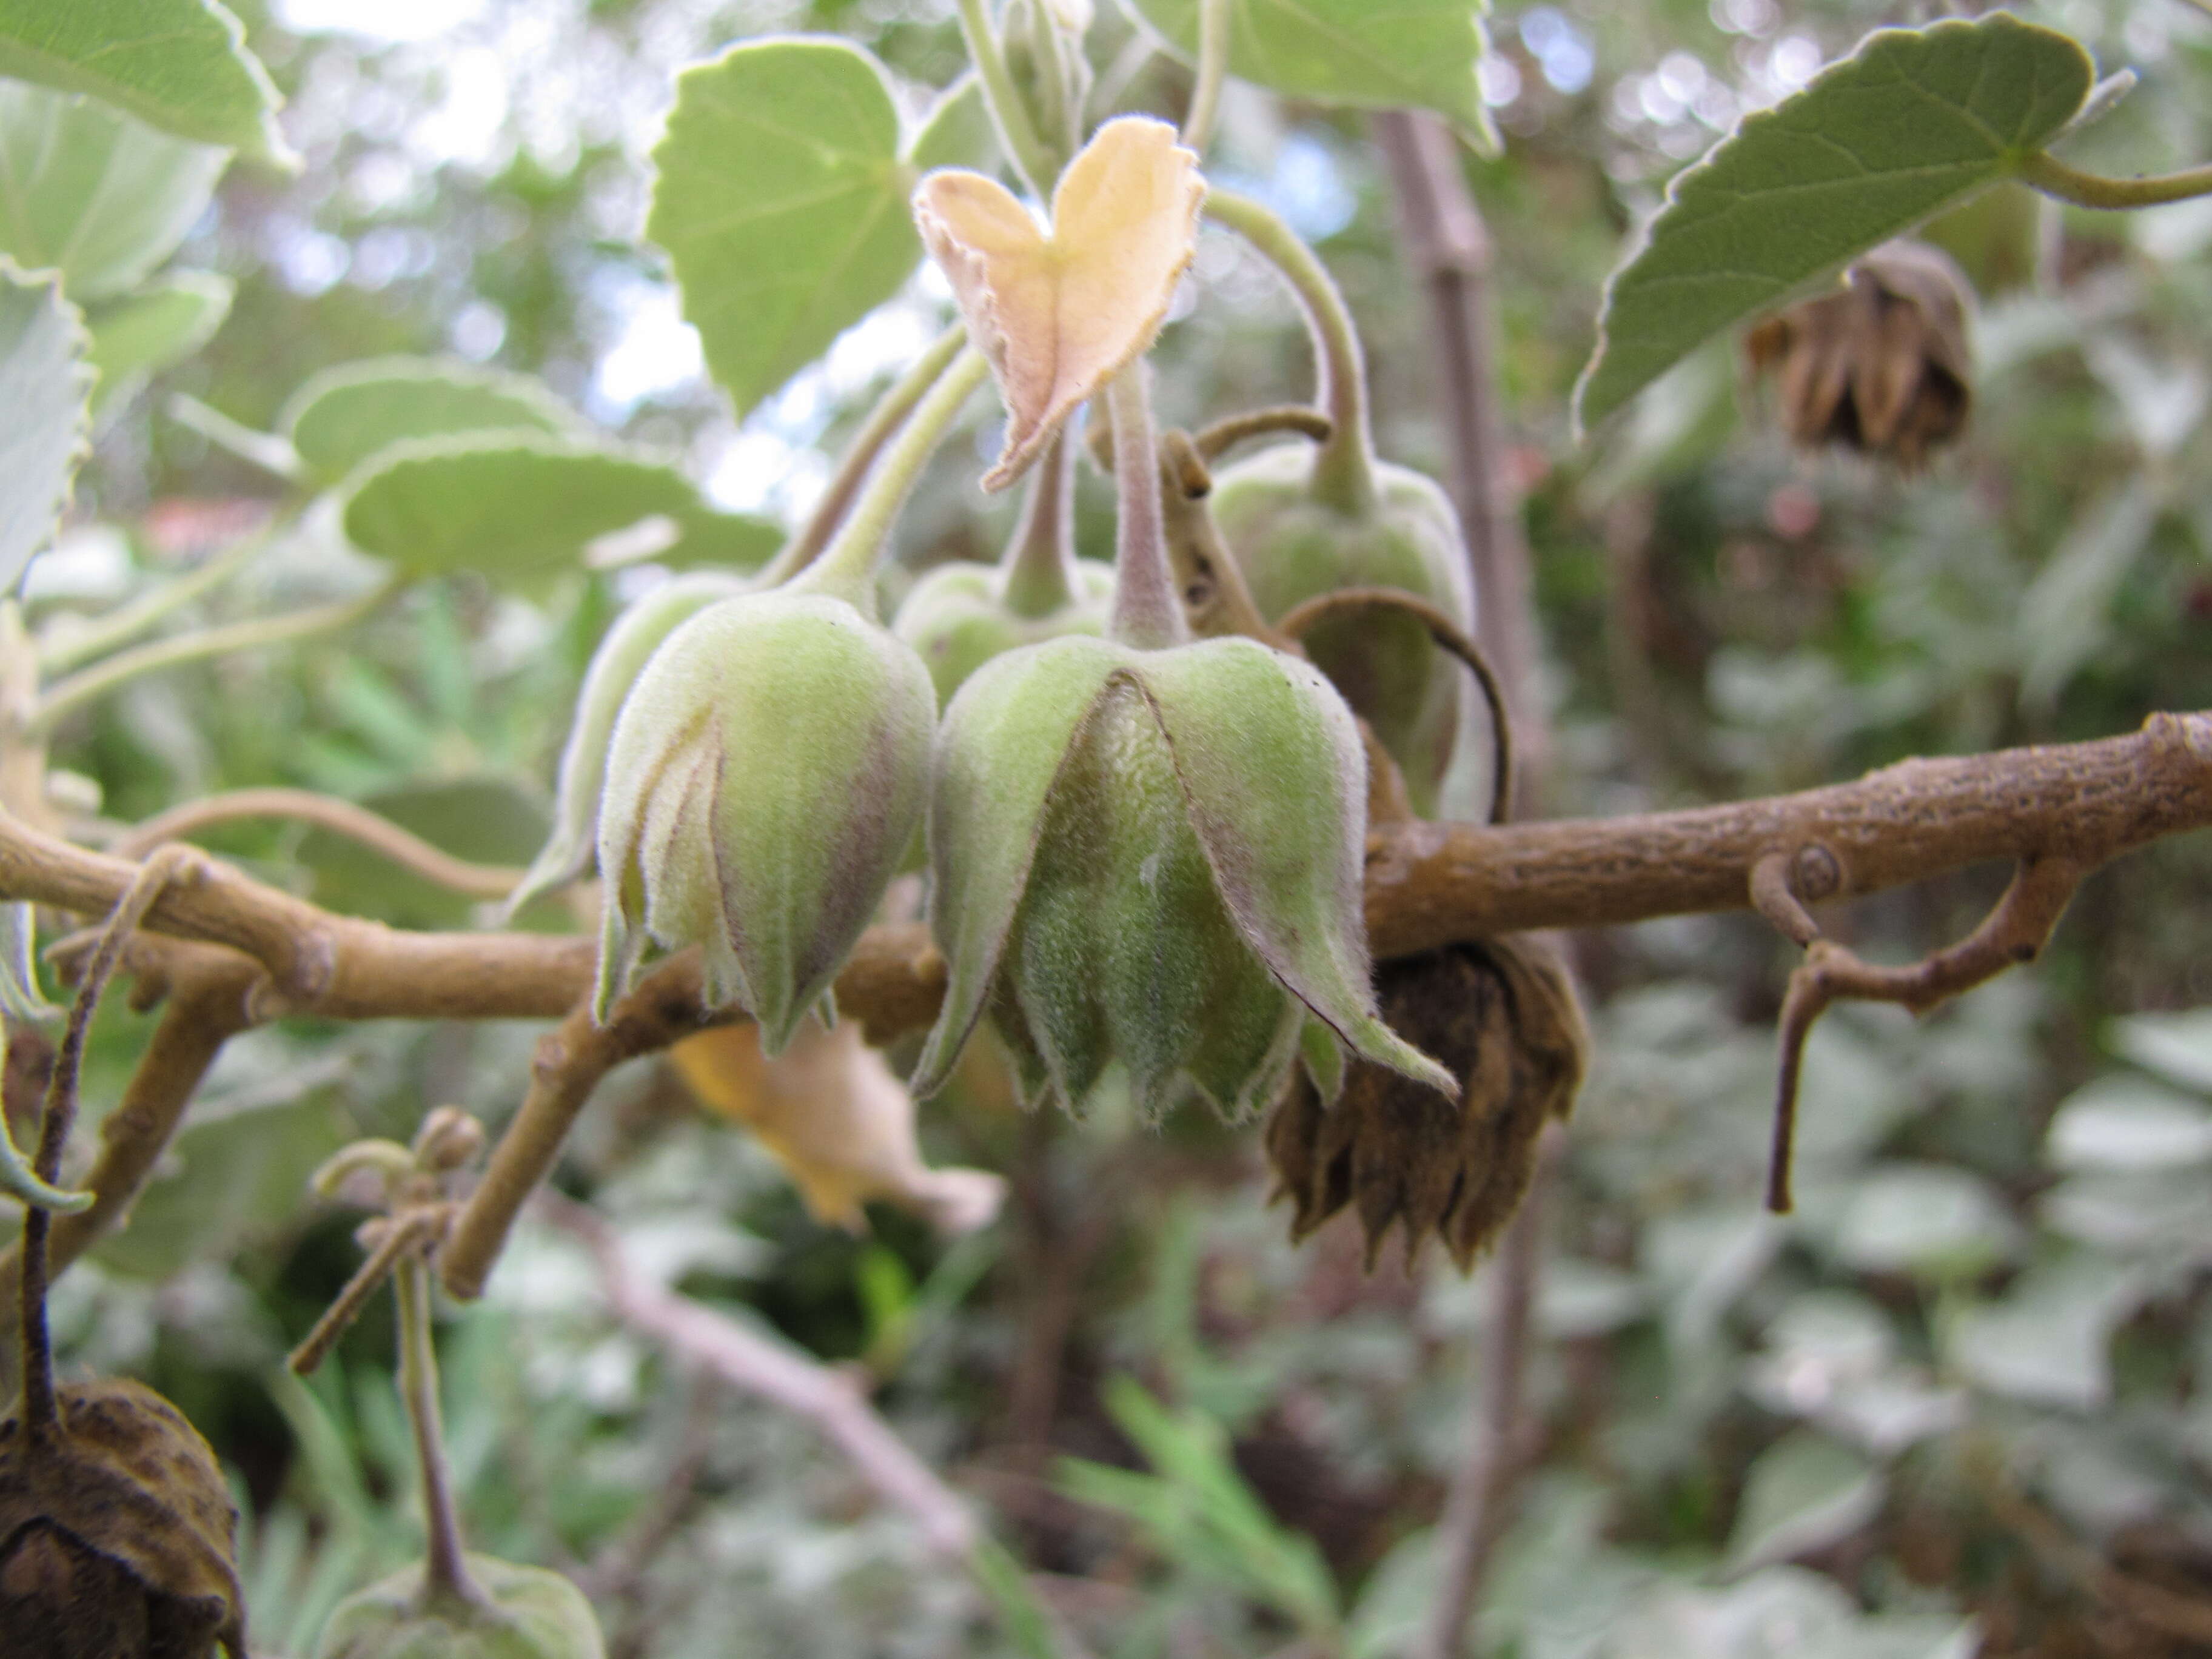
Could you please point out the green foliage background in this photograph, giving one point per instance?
(1759, 1435)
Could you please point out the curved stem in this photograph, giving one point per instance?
(1213, 20)
(1011, 115)
(847, 567)
(1344, 471)
(884, 420)
(41, 1415)
(379, 835)
(2054, 178)
(1039, 574)
(446, 1571)
(1147, 612)
(60, 651)
(71, 693)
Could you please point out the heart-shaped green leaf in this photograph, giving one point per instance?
(520, 507)
(782, 201)
(1417, 52)
(1913, 122)
(145, 333)
(86, 191)
(342, 415)
(45, 385)
(180, 65)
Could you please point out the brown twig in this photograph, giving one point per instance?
(828, 1399)
(399, 1236)
(2015, 932)
(566, 1067)
(1448, 246)
(379, 834)
(170, 865)
(1478, 1508)
(1428, 884)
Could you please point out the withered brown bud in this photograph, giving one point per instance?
(1882, 364)
(117, 1535)
(1503, 1017)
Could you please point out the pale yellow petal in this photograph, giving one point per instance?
(1059, 315)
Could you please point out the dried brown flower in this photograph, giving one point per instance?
(117, 1534)
(1503, 1017)
(1881, 365)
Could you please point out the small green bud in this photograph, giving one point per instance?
(526, 1612)
(622, 656)
(767, 770)
(957, 619)
(1152, 859)
(1293, 547)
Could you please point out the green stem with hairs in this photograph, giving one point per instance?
(66, 697)
(847, 569)
(63, 649)
(2054, 178)
(446, 1570)
(1031, 156)
(1147, 610)
(1213, 21)
(1039, 574)
(884, 420)
(1344, 468)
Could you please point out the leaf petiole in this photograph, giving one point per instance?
(1214, 21)
(2053, 177)
(1032, 159)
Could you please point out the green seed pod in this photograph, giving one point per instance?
(622, 656)
(767, 770)
(960, 616)
(957, 618)
(1294, 546)
(526, 1612)
(1151, 858)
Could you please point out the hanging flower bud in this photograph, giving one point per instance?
(1152, 856)
(767, 772)
(118, 1536)
(622, 656)
(1503, 1016)
(524, 1612)
(838, 1121)
(1880, 366)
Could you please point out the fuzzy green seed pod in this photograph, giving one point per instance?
(957, 618)
(1294, 546)
(960, 616)
(1153, 857)
(615, 666)
(767, 770)
(525, 1612)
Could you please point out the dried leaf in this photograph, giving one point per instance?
(1503, 1017)
(838, 1119)
(1060, 312)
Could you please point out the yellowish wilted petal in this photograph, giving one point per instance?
(838, 1121)
(1060, 312)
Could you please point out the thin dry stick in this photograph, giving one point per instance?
(1478, 1504)
(58, 1117)
(829, 1400)
(1448, 245)
(395, 1238)
(379, 834)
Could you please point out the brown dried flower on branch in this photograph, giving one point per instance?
(1882, 364)
(1503, 1017)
